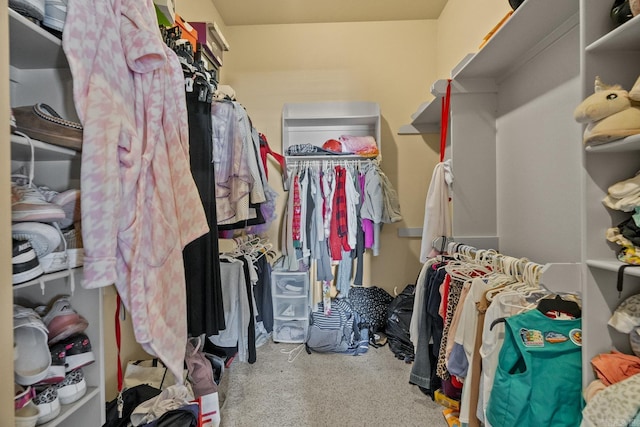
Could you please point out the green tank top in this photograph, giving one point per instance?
(538, 380)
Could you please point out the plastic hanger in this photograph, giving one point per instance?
(561, 305)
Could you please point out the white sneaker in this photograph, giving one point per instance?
(55, 13)
(48, 404)
(72, 388)
(30, 335)
(44, 238)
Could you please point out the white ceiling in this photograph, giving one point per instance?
(255, 12)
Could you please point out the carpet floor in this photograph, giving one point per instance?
(282, 389)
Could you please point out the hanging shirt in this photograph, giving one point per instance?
(539, 377)
(437, 214)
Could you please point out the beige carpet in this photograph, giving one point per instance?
(324, 390)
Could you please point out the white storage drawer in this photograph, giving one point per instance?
(290, 331)
(291, 305)
(290, 283)
(291, 308)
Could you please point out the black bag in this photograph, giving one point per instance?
(185, 416)
(398, 323)
(371, 304)
(131, 398)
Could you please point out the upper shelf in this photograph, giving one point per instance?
(532, 27)
(625, 37)
(32, 47)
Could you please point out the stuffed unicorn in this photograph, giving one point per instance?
(611, 113)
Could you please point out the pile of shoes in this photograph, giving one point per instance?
(50, 351)
(50, 13)
(46, 229)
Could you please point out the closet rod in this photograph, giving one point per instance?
(322, 162)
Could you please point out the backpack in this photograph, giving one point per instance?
(337, 332)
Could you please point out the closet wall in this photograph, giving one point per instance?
(383, 62)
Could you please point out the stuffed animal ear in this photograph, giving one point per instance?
(599, 86)
(634, 93)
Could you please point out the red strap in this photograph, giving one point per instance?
(266, 149)
(118, 340)
(444, 122)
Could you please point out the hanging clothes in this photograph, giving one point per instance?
(140, 205)
(334, 212)
(437, 213)
(205, 308)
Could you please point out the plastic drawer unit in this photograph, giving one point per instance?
(291, 305)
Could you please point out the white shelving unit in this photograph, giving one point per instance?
(316, 122)
(39, 72)
(521, 171)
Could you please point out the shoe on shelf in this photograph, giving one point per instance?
(44, 238)
(57, 370)
(68, 200)
(61, 319)
(69, 254)
(48, 404)
(28, 204)
(72, 388)
(55, 13)
(41, 122)
(30, 336)
(32, 9)
(26, 412)
(78, 352)
(12, 122)
(24, 262)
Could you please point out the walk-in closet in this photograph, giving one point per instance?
(253, 213)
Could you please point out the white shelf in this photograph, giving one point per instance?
(625, 37)
(630, 143)
(290, 317)
(67, 410)
(535, 25)
(612, 265)
(425, 120)
(316, 122)
(21, 150)
(32, 47)
(44, 279)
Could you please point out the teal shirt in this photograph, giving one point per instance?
(539, 375)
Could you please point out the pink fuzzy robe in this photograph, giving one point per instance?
(140, 205)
